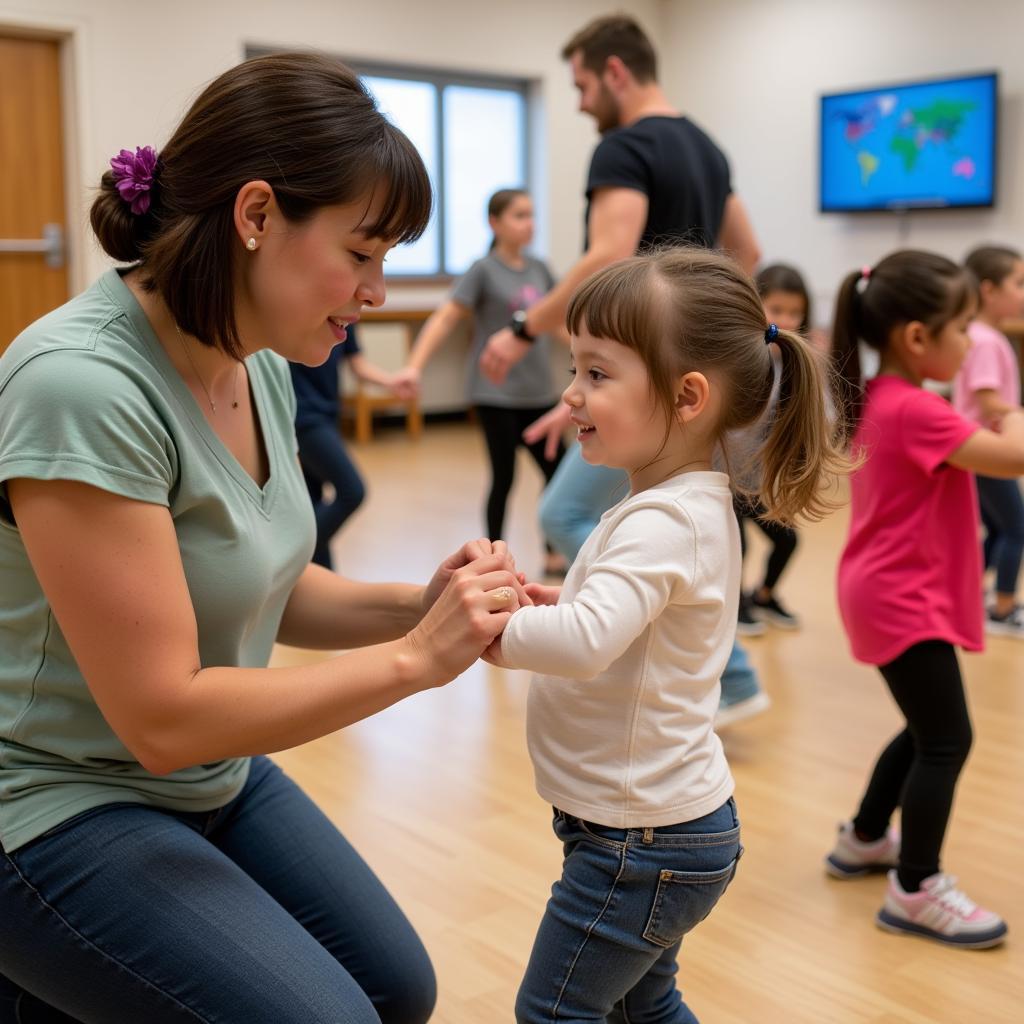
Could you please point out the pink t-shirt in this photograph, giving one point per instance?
(990, 363)
(911, 568)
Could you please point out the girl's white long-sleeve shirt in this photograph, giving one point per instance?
(629, 662)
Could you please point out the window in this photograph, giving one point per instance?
(471, 133)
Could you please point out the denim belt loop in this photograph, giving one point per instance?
(648, 836)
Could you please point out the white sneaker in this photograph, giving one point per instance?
(1009, 625)
(940, 911)
(737, 711)
(853, 858)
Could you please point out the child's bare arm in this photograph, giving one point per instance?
(992, 454)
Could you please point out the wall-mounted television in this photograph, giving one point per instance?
(921, 145)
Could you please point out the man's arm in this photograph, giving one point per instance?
(736, 235)
(615, 226)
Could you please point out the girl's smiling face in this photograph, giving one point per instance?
(613, 408)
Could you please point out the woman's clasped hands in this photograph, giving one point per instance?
(466, 606)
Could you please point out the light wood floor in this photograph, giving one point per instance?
(438, 795)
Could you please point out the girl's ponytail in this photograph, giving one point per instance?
(848, 382)
(802, 454)
(906, 286)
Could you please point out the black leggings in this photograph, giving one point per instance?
(783, 539)
(503, 431)
(918, 770)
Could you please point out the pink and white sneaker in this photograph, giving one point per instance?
(853, 858)
(940, 911)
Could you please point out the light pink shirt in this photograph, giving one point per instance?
(991, 363)
(911, 568)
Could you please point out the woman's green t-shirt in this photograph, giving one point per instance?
(88, 394)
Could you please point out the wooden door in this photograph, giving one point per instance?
(31, 181)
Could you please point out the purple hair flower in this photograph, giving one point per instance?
(134, 173)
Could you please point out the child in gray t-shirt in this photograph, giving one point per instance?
(495, 287)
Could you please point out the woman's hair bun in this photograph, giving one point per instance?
(121, 232)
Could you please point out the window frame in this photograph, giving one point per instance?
(440, 78)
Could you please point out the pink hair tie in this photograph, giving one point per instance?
(865, 272)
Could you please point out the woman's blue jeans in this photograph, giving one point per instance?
(607, 946)
(257, 913)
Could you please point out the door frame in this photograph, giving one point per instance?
(72, 36)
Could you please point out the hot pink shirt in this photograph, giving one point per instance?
(911, 568)
(991, 363)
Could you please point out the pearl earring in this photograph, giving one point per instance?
(251, 245)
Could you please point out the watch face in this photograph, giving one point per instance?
(519, 323)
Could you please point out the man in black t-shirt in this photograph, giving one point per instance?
(655, 177)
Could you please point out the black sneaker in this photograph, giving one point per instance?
(746, 623)
(769, 610)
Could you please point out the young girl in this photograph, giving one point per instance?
(671, 352)
(910, 574)
(986, 388)
(787, 304)
(504, 281)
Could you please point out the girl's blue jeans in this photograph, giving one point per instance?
(1002, 512)
(259, 912)
(607, 946)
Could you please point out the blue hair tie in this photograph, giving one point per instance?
(771, 334)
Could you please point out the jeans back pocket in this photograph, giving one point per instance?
(683, 899)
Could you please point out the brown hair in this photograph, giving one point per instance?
(781, 277)
(616, 35)
(501, 201)
(303, 123)
(906, 286)
(690, 309)
(992, 263)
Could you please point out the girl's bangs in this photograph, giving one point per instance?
(616, 303)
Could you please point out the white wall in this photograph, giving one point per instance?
(133, 66)
(138, 64)
(751, 72)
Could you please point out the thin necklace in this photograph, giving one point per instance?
(209, 398)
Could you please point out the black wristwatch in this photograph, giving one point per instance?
(518, 326)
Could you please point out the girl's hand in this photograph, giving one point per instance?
(540, 594)
(406, 384)
(469, 552)
(550, 427)
(469, 614)
(493, 654)
(537, 594)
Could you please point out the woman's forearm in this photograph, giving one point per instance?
(236, 712)
(327, 612)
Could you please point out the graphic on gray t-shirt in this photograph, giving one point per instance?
(494, 291)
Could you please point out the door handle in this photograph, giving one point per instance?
(51, 245)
